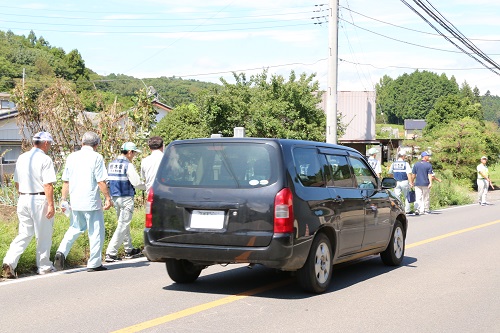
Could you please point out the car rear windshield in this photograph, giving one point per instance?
(227, 165)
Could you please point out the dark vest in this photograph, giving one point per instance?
(119, 185)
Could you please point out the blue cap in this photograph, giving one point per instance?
(424, 153)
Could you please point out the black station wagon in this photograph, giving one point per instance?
(287, 204)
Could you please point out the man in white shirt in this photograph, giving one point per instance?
(150, 164)
(483, 181)
(83, 176)
(34, 177)
(373, 161)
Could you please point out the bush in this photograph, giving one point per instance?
(450, 191)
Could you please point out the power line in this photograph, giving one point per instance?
(415, 68)
(441, 20)
(155, 19)
(414, 30)
(405, 42)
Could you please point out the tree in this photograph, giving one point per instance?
(412, 96)
(458, 145)
(75, 66)
(184, 122)
(453, 107)
(266, 107)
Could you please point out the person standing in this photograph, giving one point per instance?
(123, 181)
(373, 161)
(401, 171)
(83, 176)
(150, 164)
(34, 176)
(483, 181)
(422, 180)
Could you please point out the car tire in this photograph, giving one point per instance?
(394, 254)
(182, 271)
(316, 274)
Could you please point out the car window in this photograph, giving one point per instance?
(362, 173)
(308, 167)
(339, 174)
(230, 165)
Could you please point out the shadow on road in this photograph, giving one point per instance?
(243, 279)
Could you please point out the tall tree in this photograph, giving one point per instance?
(412, 96)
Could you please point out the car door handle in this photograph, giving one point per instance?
(338, 199)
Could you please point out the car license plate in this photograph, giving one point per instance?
(207, 219)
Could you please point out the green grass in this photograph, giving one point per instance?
(494, 172)
(79, 251)
(388, 135)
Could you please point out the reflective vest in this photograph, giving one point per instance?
(119, 185)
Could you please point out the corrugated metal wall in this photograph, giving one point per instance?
(359, 112)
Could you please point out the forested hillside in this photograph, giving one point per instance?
(42, 63)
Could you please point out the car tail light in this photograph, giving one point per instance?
(149, 210)
(283, 211)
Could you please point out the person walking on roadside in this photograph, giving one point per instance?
(422, 180)
(401, 171)
(83, 176)
(373, 161)
(150, 164)
(123, 181)
(34, 177)
(483, 181)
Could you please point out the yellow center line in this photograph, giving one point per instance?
(202, 307)
(234, 298)
(458, 232)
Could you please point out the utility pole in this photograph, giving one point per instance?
(331, 101)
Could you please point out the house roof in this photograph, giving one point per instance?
(160, 105)
(8, 113)
(415, 124)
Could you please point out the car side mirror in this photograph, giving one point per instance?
(388, 182)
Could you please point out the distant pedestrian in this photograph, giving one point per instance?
(123, 181)
(83, 176)
(483, 181)
(422, 180)
(373, 161)
(401, 171)
(34, 177)
(150, 164)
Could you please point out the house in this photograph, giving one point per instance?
(414, 127)
(11, 139)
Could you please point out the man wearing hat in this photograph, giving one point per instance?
(422, 179)
(373, 161)
(123, 180)
(483, 181)
(34, 177)
(401, 171)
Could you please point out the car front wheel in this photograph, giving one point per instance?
(182, 271)
(316, 274)
(393, 255)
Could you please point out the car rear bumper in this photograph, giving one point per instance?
(276, 255)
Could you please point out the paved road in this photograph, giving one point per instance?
(449, 282)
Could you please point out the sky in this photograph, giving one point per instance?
(207, 40)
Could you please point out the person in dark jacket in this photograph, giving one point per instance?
(123, 181)
(422, 179)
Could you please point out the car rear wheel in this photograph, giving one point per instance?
(182, 271)
(316, 274)
(393, 255)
